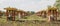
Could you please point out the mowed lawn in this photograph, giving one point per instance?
(28, 22)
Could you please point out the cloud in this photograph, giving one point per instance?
(28, 5)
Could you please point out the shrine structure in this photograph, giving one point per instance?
(10, 13)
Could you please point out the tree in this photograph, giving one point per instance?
(31, 12)
(57, 4)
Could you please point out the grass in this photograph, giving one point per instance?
(29, 22)
(3, 20)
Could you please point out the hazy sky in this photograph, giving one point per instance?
(27, 5)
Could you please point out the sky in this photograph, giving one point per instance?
(26, 5)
